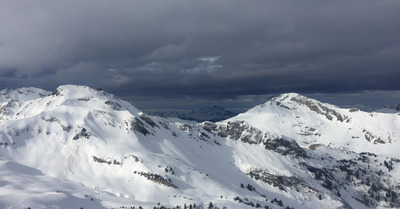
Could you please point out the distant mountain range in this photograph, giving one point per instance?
(212, 113)
(389, 109)
(78, 147)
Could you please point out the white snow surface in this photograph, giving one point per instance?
(307, 121)
(81, 147)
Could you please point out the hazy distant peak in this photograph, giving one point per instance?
(389, 109)
(211, 113)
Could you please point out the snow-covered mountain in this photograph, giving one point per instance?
(311, 122)
(79, 147)
(21, 94)
(389, 109)
(212, 113)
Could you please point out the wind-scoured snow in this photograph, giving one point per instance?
(81, 147)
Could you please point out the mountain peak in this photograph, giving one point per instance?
(293, 101)
(75, 91)
(289, 95)
(295, 97)
(20, 105)
(21, 94)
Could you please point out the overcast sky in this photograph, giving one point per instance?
(166, 54)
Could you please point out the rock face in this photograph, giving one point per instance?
(285, 147)
(319, 108)
(84, 147)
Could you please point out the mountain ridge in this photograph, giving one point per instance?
(109, 154)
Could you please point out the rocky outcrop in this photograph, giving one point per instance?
(285, 147)
(320, 108)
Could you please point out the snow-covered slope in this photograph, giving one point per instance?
(311, 122)
(81, 147)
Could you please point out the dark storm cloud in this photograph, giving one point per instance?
(219, 49)
(8, 73)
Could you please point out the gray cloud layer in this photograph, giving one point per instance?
(201, 48)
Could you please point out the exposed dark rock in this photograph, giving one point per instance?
(373, 138)
(84, 99)
(169, 170)
(136, 158)
(185, 127)
(319, 108)
(281, 182)
(210, 127)
(282, 105)
(55, 93)
(83, 133)
(164, 124)
(236, 130)
(285, 147)
(113, 105)
(138, 126)
(358, 172)
(66, 128)
(354, 110)
(148, 120)
(4, 109)
(106, 161)
(157, 179)
(240, 130)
